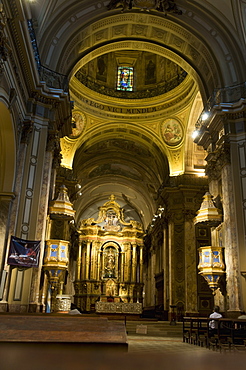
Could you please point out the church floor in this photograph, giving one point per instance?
(164, 350)
(165, 345)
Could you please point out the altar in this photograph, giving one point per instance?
(119, 308)
(109, 269)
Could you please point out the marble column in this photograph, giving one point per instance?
(230, 240)
(191, 303)
(35, 299)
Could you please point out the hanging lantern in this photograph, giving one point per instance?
(211, 265)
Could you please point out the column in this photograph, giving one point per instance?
(87, 260)
(79, 263)
(231, 244)
(141, 263)
(191, 303)
(134, 263)
(122, 266)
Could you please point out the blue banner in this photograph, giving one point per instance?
(24, 253)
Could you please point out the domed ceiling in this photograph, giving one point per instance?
(131, 74)
(124, 138)
(135, 103)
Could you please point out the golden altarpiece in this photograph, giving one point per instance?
(109, 269)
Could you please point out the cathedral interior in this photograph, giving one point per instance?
(123, 157)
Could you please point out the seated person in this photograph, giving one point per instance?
(213, 324)
(242, 316)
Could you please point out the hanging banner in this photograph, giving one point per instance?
(24, 253)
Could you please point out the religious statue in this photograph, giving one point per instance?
(110, 263)
(111, 221)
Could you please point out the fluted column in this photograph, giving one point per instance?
(87, 260)
(134, 263)
(79, 262)
(141, 264)
(122, 266)
(98, 263)
(83, 259)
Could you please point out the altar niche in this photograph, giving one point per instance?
(109, 266)
(110, 261)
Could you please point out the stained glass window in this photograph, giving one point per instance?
(125, 79)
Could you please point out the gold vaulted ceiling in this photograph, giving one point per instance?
(130, 146)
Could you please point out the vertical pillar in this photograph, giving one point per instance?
(122, 266)
(87, 260)
(98, 263)
(191, 303)
(79, 263)
(134, 263)
(152, 279)
(141, 264)
(165, 270)
(231, 247)
(92, 262)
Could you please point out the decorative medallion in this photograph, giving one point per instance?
(172, 132)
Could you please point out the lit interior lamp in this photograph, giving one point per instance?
(204, 116)
(211, 265)
(195, 134)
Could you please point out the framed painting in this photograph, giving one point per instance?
(172, 131)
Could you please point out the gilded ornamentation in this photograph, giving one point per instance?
(111, 307)
(113, 257)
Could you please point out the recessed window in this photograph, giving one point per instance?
(125, 79)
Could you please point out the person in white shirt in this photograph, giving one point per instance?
(213, 324)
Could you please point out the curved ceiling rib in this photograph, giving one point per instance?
(122, 147)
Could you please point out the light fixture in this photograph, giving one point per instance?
(211, 265)
(204, 116)
(195, 134)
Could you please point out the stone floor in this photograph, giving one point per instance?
(166, 345)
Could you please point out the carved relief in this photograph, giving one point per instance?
(78, 123)
(217, 160)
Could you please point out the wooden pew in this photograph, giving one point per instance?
(62, 330)
(230, 335)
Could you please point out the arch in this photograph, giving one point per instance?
(194, 36)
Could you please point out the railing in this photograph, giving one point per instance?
(225, 95)
(147, 93)
(52, 78)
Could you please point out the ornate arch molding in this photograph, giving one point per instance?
(167, 39)
(193, 51)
